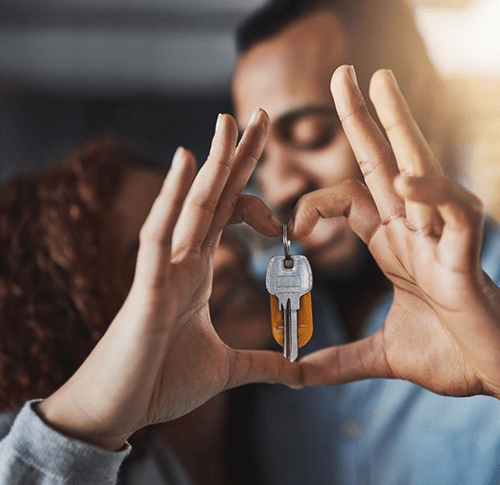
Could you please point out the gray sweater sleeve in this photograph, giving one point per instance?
(31, 452)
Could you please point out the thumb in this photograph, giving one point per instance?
(265, 366)
(358, 360)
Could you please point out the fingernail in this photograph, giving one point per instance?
(352, 75)
(218, 122)
(176, 160)
(254, 116)
(393, 78)
(290, 226)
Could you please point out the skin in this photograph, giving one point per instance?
(423, 230)
(239, 315)
(141, 364)
(442, 331)
(288, 75)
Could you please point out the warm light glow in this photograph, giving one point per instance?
(464, 41)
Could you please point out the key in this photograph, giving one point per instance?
(289, 282)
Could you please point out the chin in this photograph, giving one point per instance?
(339, 260)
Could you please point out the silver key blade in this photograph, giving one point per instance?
(289, 284)
(290, 335)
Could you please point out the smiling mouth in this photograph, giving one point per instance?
(326, 233)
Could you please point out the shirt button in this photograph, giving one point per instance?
(351, 430)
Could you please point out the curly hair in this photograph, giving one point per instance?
(62, 279)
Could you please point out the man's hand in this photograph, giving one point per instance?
(161, 356)
(443, 329)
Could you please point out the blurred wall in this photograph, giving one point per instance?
(154, 72)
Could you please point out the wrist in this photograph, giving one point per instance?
(71, 422)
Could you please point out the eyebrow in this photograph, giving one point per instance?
(298, 113)
(291, 116)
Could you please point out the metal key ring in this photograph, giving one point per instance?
(286, 242)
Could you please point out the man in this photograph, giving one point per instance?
(370, 431)
(161, 357)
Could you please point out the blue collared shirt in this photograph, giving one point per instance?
(382, 431)
(376, 431)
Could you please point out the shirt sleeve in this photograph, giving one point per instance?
(32, 452)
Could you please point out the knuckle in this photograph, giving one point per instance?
(306, 202)
(369, 165)
(226, 163)
(150, 235)
(355, 185)
(394, 124)
(228, 202)
(247, 150)
(205, 205)
(254, 158)
(356, 109)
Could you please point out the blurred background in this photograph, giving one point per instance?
(156, 73)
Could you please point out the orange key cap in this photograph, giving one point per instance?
(304, 317)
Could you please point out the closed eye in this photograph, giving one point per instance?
(310, 128)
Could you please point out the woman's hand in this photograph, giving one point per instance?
(161, 357)
(443, 329)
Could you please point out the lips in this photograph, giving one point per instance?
(325, 232)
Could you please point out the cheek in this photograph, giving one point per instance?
(268, 180)
(336, 163)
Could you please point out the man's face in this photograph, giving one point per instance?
(289, 76)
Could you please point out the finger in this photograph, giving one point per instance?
(374, 154)
(156, 232)
(413, 154)
(200, 205)
(249, 366)
(346, 363)
(247, 155)
(255, 213)
(350, 199)
(461, 211)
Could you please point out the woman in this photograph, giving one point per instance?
(62, 279)
(69, 238)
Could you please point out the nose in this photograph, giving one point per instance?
(282, 178)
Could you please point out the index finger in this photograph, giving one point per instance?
(373, 152)
(246, 156)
